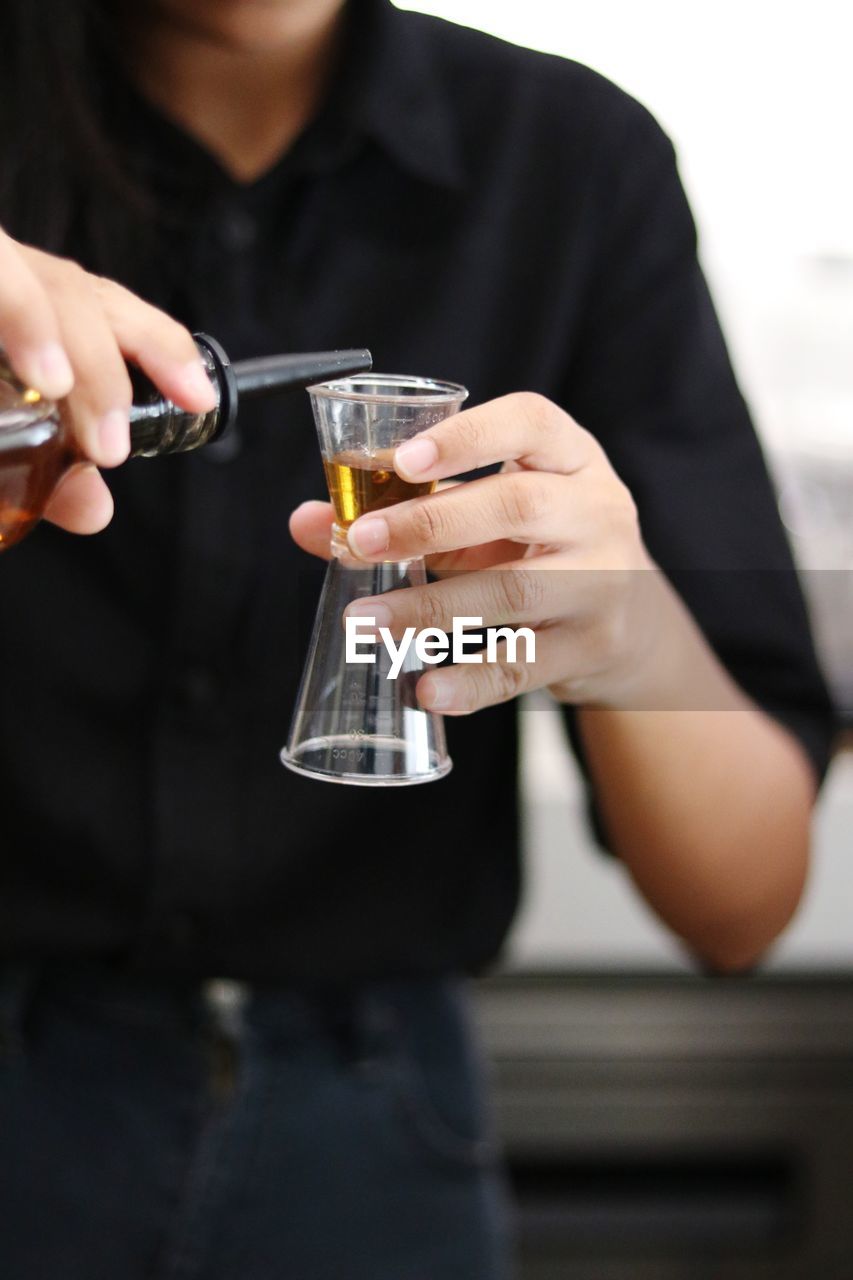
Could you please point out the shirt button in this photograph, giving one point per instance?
(238, 230)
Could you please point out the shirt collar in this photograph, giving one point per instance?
(389, 89)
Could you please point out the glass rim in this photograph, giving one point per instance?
(434, 390)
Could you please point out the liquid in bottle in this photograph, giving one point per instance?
(34, 454)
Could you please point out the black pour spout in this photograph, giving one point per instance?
(157, 426)
(266, 374)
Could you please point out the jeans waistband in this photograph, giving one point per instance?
(275, 1012)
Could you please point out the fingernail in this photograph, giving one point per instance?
(113, 438)
(369, 535)
(415, 457)
(50, 371)
(380, 613)
(197, 383)
(436, 693)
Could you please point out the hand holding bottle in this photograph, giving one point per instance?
(67, 334)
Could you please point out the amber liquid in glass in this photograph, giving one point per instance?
(362, 482)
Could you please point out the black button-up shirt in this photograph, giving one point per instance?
(470, 211)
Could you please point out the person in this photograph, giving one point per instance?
(234, 1001)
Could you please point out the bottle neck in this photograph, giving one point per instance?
(158, 427)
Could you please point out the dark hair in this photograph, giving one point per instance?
(60, 174)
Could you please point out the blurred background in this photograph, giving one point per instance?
(661, 1124)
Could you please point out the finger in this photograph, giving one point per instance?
(164, 349)
(524, 506)
(522, 427)
(519, 668)
(81, 503)
(29, 330)
(514, 593)
(99, 404)
(311, 528)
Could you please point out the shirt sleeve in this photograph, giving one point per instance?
(651, 377)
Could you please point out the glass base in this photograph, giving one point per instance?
(374, 762)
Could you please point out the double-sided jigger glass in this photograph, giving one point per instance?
(352, 722)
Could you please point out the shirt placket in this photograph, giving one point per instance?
(196, 802)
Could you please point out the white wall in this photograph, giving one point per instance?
(758, 98)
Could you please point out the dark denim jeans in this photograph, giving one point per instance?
(149, 1130)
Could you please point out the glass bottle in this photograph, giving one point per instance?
(37, 447)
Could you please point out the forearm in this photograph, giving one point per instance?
(707, 802)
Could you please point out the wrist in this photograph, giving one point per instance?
(680, 672)
(669, 665)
